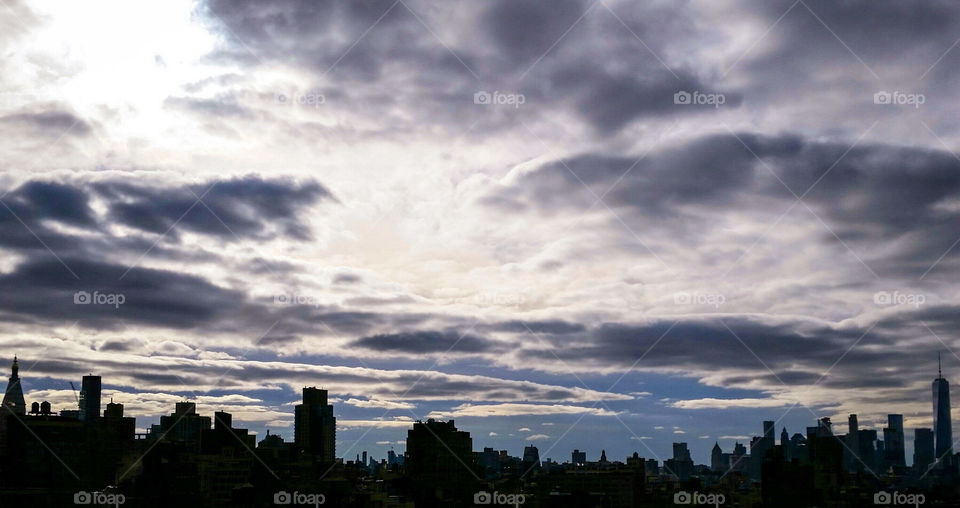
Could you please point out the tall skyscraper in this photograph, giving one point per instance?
(315, 428)
(852, 450)
(90, 398)
(893, 449)
(923, 454)
(13, 397)
(942, 424)
(716, 458)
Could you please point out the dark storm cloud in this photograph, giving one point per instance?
(525, 30)
(558, 55)
(906, 28)
(196, 376)
(42, 289)
(797, 351)
(870, 195)
(53, 264)
(246, 207)
(425, 342)
(37, 200)
(610, 100)
(315, 34)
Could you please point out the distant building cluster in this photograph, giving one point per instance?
(80, 456)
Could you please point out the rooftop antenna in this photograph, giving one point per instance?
(939, 370)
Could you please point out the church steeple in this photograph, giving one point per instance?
(13, 397)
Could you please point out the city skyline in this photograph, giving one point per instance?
(940, 444)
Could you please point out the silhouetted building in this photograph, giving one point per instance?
(13, 397)
(868, 451)
(90, 398)
(923, 450)
(183, 426)
(680, 465)
(942, 425)
(893, 449)
(759, 448)
(798, 447)
(578, 458)
(851, 452)
(716, 459)
(315, 428)
(531, 458)
(439, 463)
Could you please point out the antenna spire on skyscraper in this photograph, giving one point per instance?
(939, 369)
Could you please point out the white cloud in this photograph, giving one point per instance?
(515, 409)
(711, 403)
(379, 404)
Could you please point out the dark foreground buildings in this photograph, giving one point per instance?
(82, 456)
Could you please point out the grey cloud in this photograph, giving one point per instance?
(42, 289)
(425, 342)
(870, 194)
(557, 327)
(52, 123)
(224, 107)
(247, 207)
(516, 47)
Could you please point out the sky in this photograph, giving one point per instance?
(571, 224)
